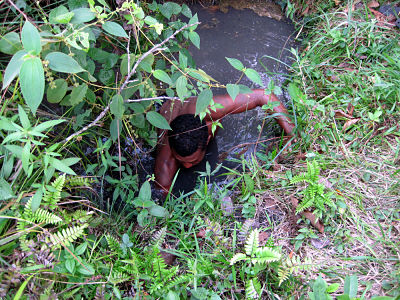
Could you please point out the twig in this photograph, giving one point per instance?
(127, 79)
(21, 12)
(153, 98)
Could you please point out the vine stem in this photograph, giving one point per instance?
(127, 79)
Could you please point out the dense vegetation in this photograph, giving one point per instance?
(316, 217)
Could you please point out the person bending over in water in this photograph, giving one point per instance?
(186, 144)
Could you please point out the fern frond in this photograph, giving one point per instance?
(67, 235)
(265, 255)
(27, 214)
(79, 181)
(246, 227)
(113, 244)
(159, 237)
(46, 217)
(118, 277)
(293, 265)
(238, 257)
(51, 197)
(252, 242)
(159, 266)
(178, 281)
(253, 288)
(82, 216)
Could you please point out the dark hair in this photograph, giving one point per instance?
(188, 134)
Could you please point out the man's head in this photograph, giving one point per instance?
(188, 139)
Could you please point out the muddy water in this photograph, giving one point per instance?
(244, 35)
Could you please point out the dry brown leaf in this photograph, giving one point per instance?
(349, 123)
(341, 114)
(350, 109)
(263, 237)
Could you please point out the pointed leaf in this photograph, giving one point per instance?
(25, 157)
(61, 62)
(78, 93)
(203, 100)
(238, 257)
(162, 76)
(32, 82)
(235, 63)
(45, 125)
(13, 67)
(181, 88)
(82, 15)
(114, 29)
(61, 166)
(5, 190)
(23, 117)
(31, 38)
(157, 120)
(351, 286)
(56, 94)
(253, 76)
(145, 191)
(158, 211)
(194, 38)
(233, 90)
(60, 15)
(36, 200)
(117, 106)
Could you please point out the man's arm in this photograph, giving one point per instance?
(165, 168)
(244, 102)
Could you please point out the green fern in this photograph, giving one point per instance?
(113, 244)
(159, 237)
(79, 181)
(293, 265)
(67, 235)
(53, 194)
(46, 217)
(117, 276)
(253, 288)
(314, 194)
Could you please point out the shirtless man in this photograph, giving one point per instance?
(186, 144)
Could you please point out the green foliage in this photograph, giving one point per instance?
(313, 194)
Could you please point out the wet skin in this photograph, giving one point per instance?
(168, 161)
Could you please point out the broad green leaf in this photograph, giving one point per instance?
(5, 190)
(25, 157)
(253, 76)
(7, 124)
(203, 100)
(23, 117)
(162, 76)
(295, 93)
(201, 75)
(61, 166)
(157, 120)
(186, 11)
(243, 89)
(61, 62)
(114, 29)
(142, 217)
(82, 15)
(78, 93)
(319, 288)
(351, 286)
(143, 203)
(10, 43)
(194, 38)
(233, 90)
(181, 88)
(32, 82)
(145, 191)
(332, 288)
(30, 38)
(183, 60)
(147, 63)
(55, 95)
(158, 211)
(81, 248)
(115, 129)
(60, 15)
(235, 63)
(170, 8)
(36, 200)
(70, 265)
(70, 161)
(88, 270)
(16, 150)
(13, 67)
(193, 20)
(117, 106)
(107, 76)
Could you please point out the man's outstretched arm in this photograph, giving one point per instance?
(244, 102)
(165, 168)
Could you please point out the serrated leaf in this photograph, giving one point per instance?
(233, 90)
(23, 117)
(61, 166)
(237, 257)
(157, 120)
(114, 29)
(252, 242)
(56, 94)
(60, 15)
(117, 106)
(158, 211)
(181, 88)
(61, 62)
(32, 82)
(235, 63)
(10, 43)
(5, 190)
(162, 76)
(170, 8)
(253, 76)
(146, 63)
(203, 100)
(13, 67)
(30, 38)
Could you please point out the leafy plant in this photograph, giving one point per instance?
(313, 194)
